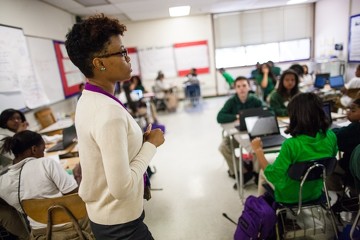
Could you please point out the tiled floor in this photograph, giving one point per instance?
(193, 188)
(192, 174)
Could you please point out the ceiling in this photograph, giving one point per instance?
(138, 10)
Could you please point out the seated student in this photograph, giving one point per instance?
(266, 80)
(288, 88)
(274, 69)
(347, 139)
(11, 122)
(311, 139)
(354, 83)
(166, 92)
(229, 113)
(39, 177)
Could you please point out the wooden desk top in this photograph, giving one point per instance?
(69, 163)
(59, 125)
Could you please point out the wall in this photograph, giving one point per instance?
(176, 30)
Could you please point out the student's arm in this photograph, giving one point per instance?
(256, 146)
(277, 104)
(228, 112)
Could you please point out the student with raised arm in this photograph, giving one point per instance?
(266, 80)
(311, 139)
(114, 152)
(34, 176)
(288, 88)
(230, 113)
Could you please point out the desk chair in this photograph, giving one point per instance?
(159, 99)
(45, 117)
(308, 171)
(355, 171)
(53, 211)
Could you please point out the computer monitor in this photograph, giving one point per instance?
(336, 82)
(320, 79)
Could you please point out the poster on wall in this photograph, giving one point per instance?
(71, 76)
(191, 55)
(354, 39)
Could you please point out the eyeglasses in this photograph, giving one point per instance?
(122, 53)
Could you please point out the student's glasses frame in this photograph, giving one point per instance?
(122, 53)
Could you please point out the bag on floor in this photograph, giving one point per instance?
(257, 220)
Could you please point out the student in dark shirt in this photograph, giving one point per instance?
(288, 88)
(348, 138)
(229, 113)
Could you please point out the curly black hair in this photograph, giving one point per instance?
(91, 37)
(282, 90)
(306, 115)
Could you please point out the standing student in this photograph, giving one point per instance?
(266, 80)
(228, 78)
(311, 139)
(114, 153)
(288, 88)
(230, 113)
(34, 176)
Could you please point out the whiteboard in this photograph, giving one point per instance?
(154, 59)
(18, 84)
(354, 39)
(46, 68)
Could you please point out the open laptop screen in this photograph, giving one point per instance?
(260, 126)
(320, 80)
(327, 110)
(336, 81)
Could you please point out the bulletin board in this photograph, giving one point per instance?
(19, 87)
(71, 77)
(191, 55)
(354, 39)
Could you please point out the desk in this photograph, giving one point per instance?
(70, 163)
(243, 139)
(59, 125)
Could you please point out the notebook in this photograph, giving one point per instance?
(248, 113)
(320, 80)
(266, 128)
(336, 82)
(69, 137)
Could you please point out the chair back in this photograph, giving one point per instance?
(45, 117)
(355, 166)
(312, 170)
(37, 209)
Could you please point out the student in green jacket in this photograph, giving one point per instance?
(230, 113)
(311, 139)
(288, 88)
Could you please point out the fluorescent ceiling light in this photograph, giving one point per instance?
(91, 3)
(296, 1)
(179, 11)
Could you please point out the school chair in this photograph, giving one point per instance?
(355, 171)
(303, 172)
(45, 117)
(52, 211)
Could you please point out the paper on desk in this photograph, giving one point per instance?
(52, 139)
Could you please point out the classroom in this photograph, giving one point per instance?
(202, 170)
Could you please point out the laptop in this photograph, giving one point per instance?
(69, 137)
(321, 79)
(336, 82)
(327, 110)
(266, 128)
(250, 112)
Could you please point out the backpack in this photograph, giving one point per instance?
(257, 220)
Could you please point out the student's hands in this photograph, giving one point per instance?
(256, 144)
(22, 126)
(155, 136)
